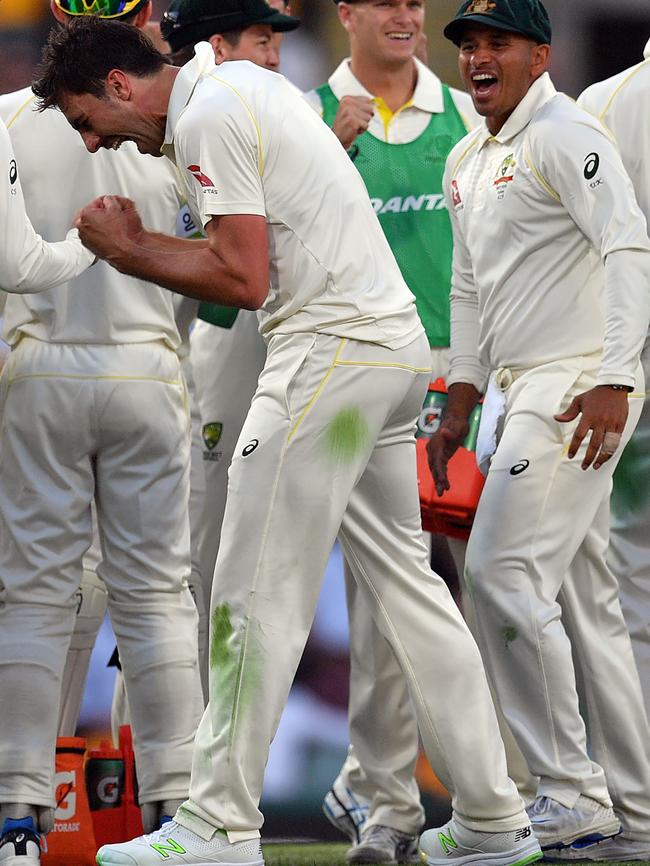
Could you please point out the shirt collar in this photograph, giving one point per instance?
(539, 93)
(646, 50)
(184, 85)
(427, 95)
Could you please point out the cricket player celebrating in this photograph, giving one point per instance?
(550, 304)
(328, 436)
(93, 407)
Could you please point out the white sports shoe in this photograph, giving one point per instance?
(457, 845)
(556, 826)
(617, 849)
(346, 811)
(380, 844)
(174, 845)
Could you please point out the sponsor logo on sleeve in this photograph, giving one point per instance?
(592, 164)
(203, 179)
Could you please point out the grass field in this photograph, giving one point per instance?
(327, 854)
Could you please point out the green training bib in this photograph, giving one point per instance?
(404, 182)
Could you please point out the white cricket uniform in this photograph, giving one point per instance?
(622, 104)
(93, 406)
(227, 363)
(30, 264)
(329, 434)
(380, 765)
(535, 210)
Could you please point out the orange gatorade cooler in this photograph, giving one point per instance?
(453, 512)
(72, 840)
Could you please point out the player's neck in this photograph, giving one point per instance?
(393, 82)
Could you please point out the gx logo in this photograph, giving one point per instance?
(252, 445)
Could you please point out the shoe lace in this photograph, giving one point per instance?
(540, 806)
(161, 834)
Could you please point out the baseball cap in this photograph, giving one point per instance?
(189, 21)
(101, 8)
(527, 17)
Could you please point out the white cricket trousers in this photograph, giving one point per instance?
(328, 448)
(226, 364)
(109, 422)
(536, 527)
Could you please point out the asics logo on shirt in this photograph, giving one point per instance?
(13, 172)
(520, 467)
(404, 204)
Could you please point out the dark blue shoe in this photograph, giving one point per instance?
(20, 844)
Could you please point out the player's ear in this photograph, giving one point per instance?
(539, 59)
(345, 13)
(118, 84)
(59, 14)
(220, 47)
(143, 15)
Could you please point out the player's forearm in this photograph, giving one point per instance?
(462, 397)
(191, 268)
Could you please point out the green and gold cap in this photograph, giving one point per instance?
(527, 17)
(101, 8)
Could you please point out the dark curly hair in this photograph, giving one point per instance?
(78, 57)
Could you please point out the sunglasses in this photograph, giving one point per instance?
(101, 8)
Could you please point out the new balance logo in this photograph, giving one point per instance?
(172, 847)
(447, 842)
(524, 833)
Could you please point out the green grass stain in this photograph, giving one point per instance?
(235, 668)
(510, 634)
(631, 492)
(346, 435)
(221, 633)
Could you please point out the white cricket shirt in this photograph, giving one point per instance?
(27, 262)
(622, 104)
(245, 142)
(59, 177)
(536, 210)
(410, 121)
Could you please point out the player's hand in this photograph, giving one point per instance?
(109, 226)
(352, 118)
(443, 445)
(604, 411)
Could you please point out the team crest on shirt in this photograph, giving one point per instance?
(202, 178)
(480, 6)
(505, 175)
(211, 437)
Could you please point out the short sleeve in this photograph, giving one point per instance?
(219, 143)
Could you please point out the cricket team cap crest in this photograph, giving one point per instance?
(189, 21)
(526, 17)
